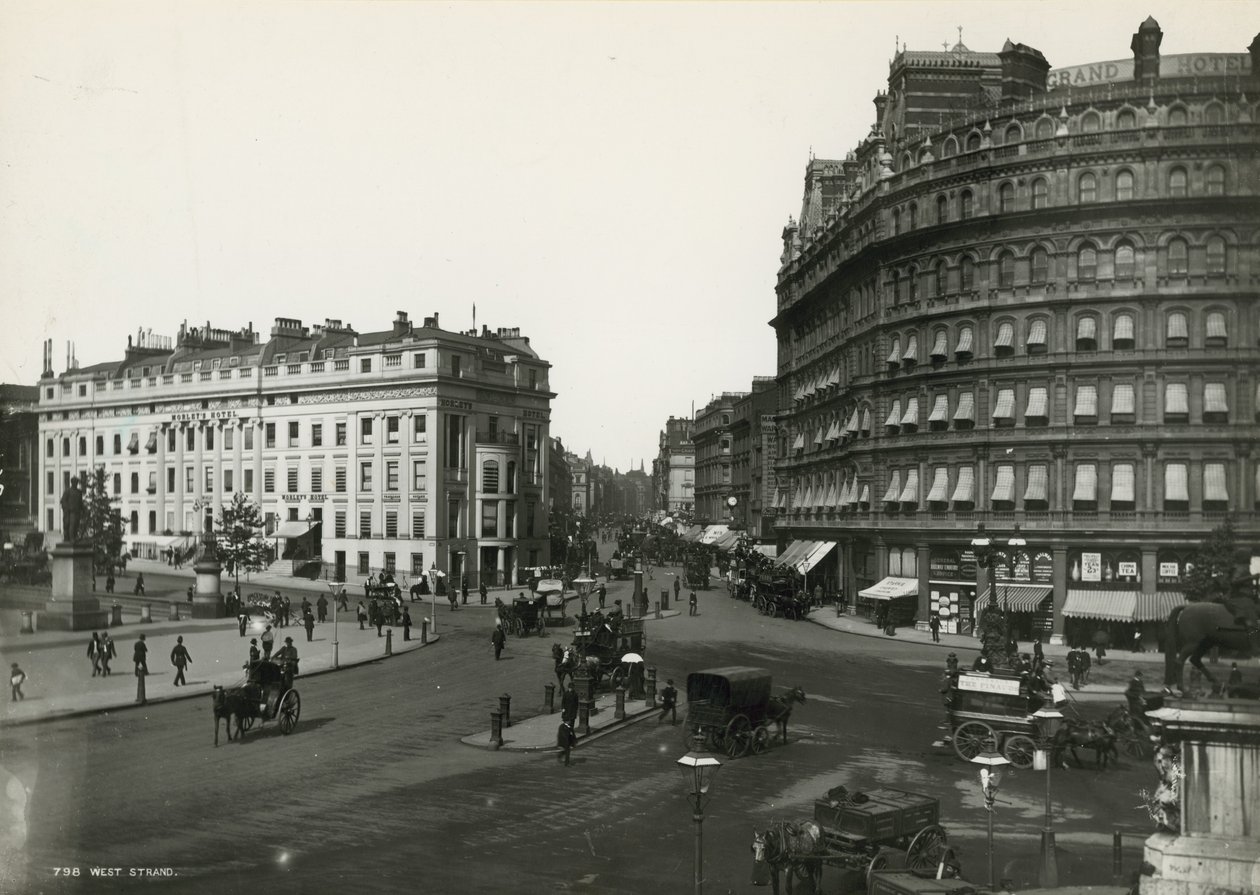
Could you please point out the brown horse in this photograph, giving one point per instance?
(781, 709)
(1196, 628)
(228, 706)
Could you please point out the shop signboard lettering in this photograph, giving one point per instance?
(1091, 567)
(1042, 567)
(1127, 569)
(1021, 567)
(967, 565)
(979, 684)
(1169, 570)
(943, 566)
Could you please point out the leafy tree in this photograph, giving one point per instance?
(102, 521)
(239, 536)
(1213, 566)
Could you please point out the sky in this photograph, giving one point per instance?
(612, 178)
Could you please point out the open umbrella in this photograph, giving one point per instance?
(631, 657)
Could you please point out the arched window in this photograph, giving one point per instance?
(1014, 133)
(1090, 123)
(1006, 197)
(1045, 129)
(1216, 331)
(896, 287)
(1006, 270)
(1213, 113)
(942, 209)
(950, 148)
(1178, 258)
(1126, 120)
(1126, 265)
(1040, 266)
(896, 221)
(1086, 263)
(1040, 193)
(1086, 333)
(942, 279)
(967, 273)
(1177, 330)
(912, 219)
(965, 201)
(1124, 185)
(1216, 257)
(1122, 332)
(973, 141)
(1214, 180)
(1177, 116)
(1177, 183)
(1087, 188)
(913, 284)
(490, 477)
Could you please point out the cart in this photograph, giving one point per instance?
(730, 709)
(993, 713)
(267, 694)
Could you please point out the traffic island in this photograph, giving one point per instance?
(538, 733)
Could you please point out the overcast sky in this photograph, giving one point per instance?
(611, 178)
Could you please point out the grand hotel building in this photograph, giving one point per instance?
(1028, 297)
(405, 449)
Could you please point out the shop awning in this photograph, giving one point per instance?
(1122, 483)
(891, 588)
(133, 444)
(727, 541)
(940, 485)
(966, 407)
(1005, 404)
(1005, 336)
(894, 356)
(1019, 597)
(1105, 605)
(1036, 487)
(1037, 332)
(965, 490)
(1122, 398)
(853, 422)
(1158, 606)
(894, 415)
(1036, 402)
(799, 443)
(1175, 398)
(1124, 328)
(1087, 328)
(1004, 487)
(865, 499)
(1214, 400)
(815, 556)
(151, 444)
(293, 529)
(794, 553)
(940, 410)
(833, 433)
(712, 532)
(767, 550)
(848, 495)
(1086, 483)
(818, 435)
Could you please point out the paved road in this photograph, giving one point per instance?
(374, 792)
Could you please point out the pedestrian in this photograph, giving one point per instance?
(453, 596)
(1100, 645)
(603, 594)
(463, 590)
(1039, 654)
(569, 703)
(406, 623)
(139, 589)
(254, 653)
(16, 677)
(288, 612)
(322, 606)
(1233, 686)
(565, 740)
(191, 589)
(343, 602)
(109, 582)
(934, 625)
(481, 589)
(677, 589)
(951, 663)
(140, 656)
(1137, 641)
(288, 659)
(308, 621)
(1084, 659)
(691, 604)
(94, 653)
(268, 641)
(362, 614)
(1135, 695)
(107, 652)
(669, 703)
(1074, 668)
(181, 660)
(380, 618)
(242, 620)
(499, 639)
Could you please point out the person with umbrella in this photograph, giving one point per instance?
(634, 674)
(1100, 645)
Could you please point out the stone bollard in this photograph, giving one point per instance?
(649, 687)
(584, 717)
(116, 614)
(549, 698)
(656, 609)
(140, 697)
(389, 641)
(620, 712)
(28, 622)
(496, 730)
(424, 630)
(505, 707)
(146, 615)
(173, 615)
(665, 600)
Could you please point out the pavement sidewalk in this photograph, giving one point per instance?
(538, 733)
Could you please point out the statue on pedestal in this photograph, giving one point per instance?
(72, 512)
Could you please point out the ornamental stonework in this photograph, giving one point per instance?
(417, 391)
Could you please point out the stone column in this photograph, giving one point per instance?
(216, 499)
(179, 475)
(378, 472)
(238, 455)
(161, 478)
(1059, 578)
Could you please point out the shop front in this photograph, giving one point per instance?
(1104, 590)
(1024, 590)
(894, 600)
(951, 589)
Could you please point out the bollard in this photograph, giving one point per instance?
(650, 687)
(505, 707)
(620, 712)
(116, 616)
(584, 717)
(665, 600)
(389, 641)
(140, 697)
(28, 619)
(656, 609)
(1117, 859)
(145, 614)
(549, 698)
(173, 615)
(424, 630)
(496, 730)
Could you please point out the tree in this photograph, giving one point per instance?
(239, 536)
(1213, 566)
(102, 521)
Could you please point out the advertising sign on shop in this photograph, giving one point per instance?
(943, 566)
(1127, 569)
(1091, 567)
(1169, 570)
(1021, 569)
(967, 565)
(1042, 567)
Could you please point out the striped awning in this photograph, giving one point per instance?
(865, 499)
(1004, 486)
(795, 552)
(1019, 597)
(894, 415)
(1005, 336)
(894, 356)
(894, 487)
(1037, 332)
(1214, 488)
(910, 493)
(818, 435)
(1175, 398)
(1086, 483)
(1005, 404)
(940, 485)
(1216, 325)
(151, 444)
(1037, 401)
(866, 420)
(891, 588)
(966, 407)
(940, 410)
(1214, 400)
(964, 341)
(1086, 328)
(1105, 605)
(1037, 479)
(833, 434)
(1122, 398)
(1122, 483)
(940, 348)
(1175, 486)
(1123, 328)
(1178, 327)
(815, 555)
(965, 490)
(911, 416)
(912, 350)
(1086, 400)
(133, 444)
(1158, 606)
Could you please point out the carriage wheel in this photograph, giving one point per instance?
(772, 609)
(926, 849)
(1019, 750)
(882, 860)
(246, 723)
(737, 741)
(289, 710)
(761, 739)
(973, 737)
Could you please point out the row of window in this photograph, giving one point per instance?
(491, 525)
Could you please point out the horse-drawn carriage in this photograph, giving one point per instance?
(600, 646)
(993, 713)
(859, 831)
(523, 615)
(266, 694)
(731, 709)
(779, 598)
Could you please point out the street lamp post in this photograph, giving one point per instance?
(1048, 724)
(698, 770)
(583, 586)
(334, 588)
(1014, 542)
(991, 764)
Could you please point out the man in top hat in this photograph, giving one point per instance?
(669, 702)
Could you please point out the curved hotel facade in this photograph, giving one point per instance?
(1028, 297)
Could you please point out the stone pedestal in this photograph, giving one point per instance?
(1217, 851)
(72, 606)
(208, 599)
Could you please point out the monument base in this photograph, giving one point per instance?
(207, 599)
(72, 606)
(1201, 865)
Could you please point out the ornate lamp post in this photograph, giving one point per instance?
(991, 764)
(1014, 542)
(583, 585)
(1048, 723)
(698, 770)
(335, 588)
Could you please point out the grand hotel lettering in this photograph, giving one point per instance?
(1185, 65)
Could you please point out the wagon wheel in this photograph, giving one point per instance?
(926, 849)
(946, 866)
(761, 739)
(883, 859)
(246, 723)
(973, 737)
(288, 711)
(772, 609)
(1019, 750)
(738, 737)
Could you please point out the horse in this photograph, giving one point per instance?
(228, 706)
(566, 661)
(1085, 735)
(781, 709)
(418, 591)
(781, 847)
(1195, 628)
